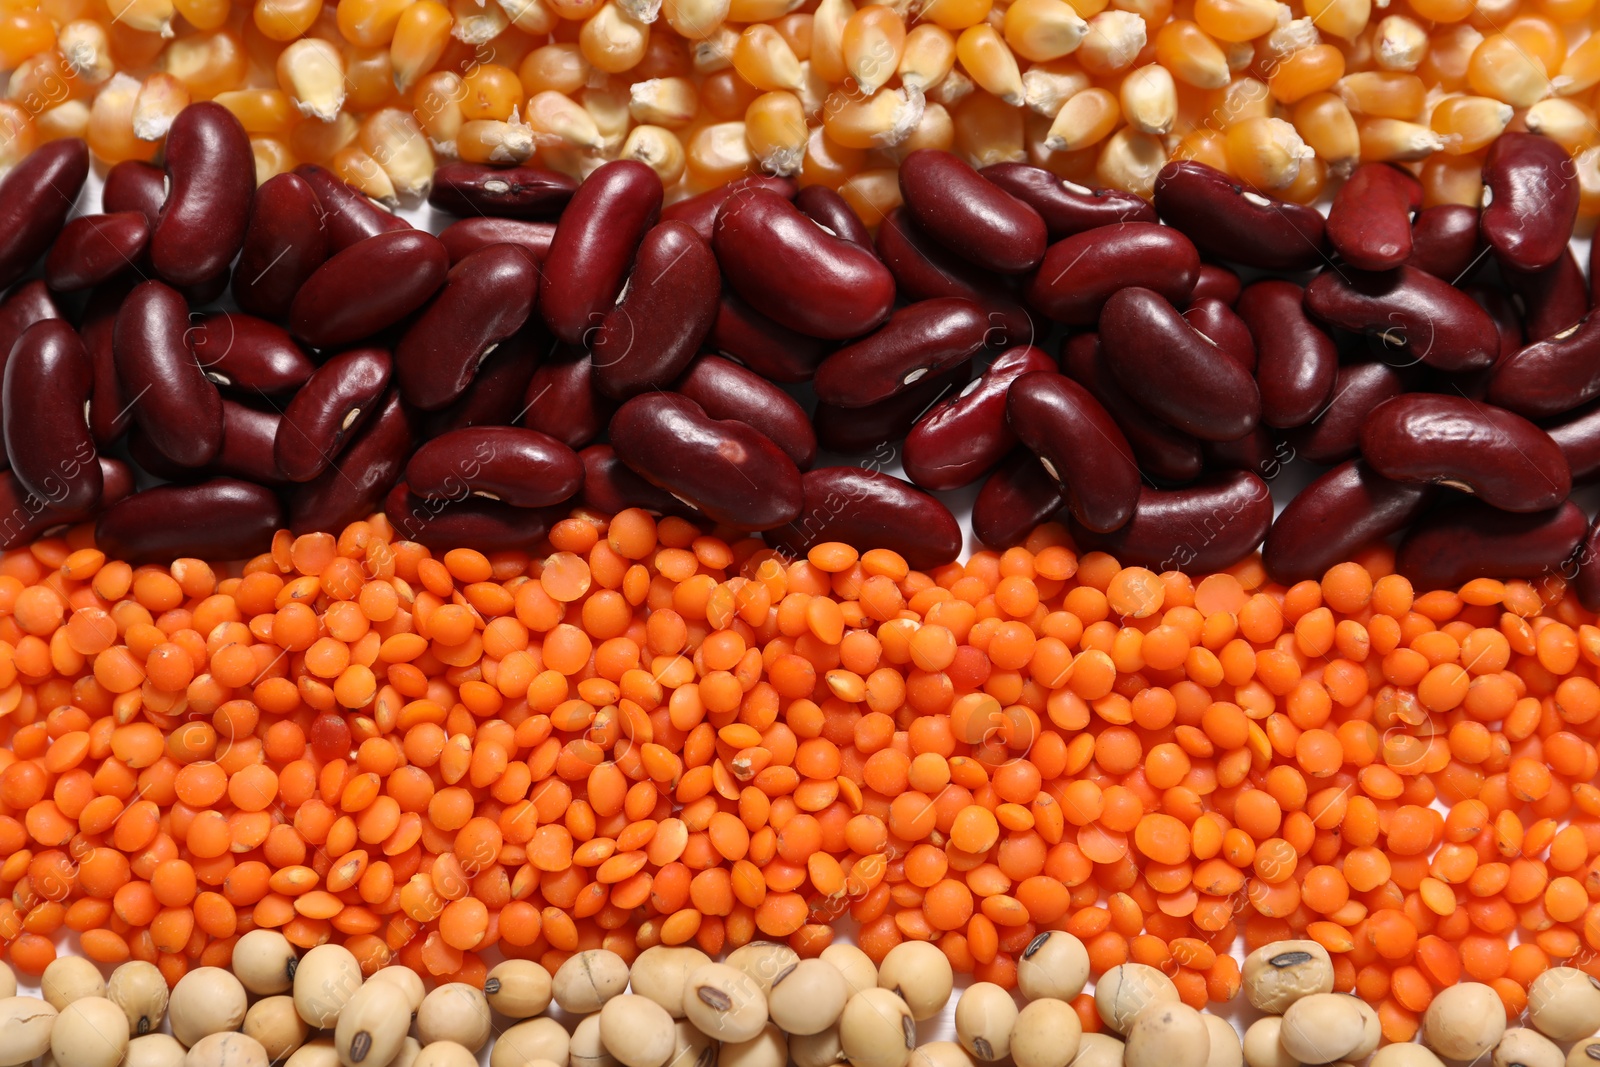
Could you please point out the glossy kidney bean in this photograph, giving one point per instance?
(1586, 565)
(211, 176)
(284, 242)
(1231, 221)
(471, 522)
(827, 208)
(471, 189)
(1260, 451)
(771, 350)
(928, 337)
(876, 427)
(109, 412)
(347, 214)
(1222, 326)
(172, 399)
(1067, 207)
(1552, 299)
(35, 197)
(700, 211)
(926, 270)
(1335, 517)
(1445, 241)
(1335, 434)
(134, 185)
(343, 300)
(594, 245)
(1501, 457)
(1216, 283)
(523, 468)
(1296, 359)
(1079, 445)
(328, 410)
(467, 236)
(1530, 200)
(728, 391)
(1551, 376)
(1163, 452)
(665, 311)
(243, 354)
(23, 306)
(497, 392)
(93, 248)
(962, 438)
(248, 435)
(609, 486)
(221, 519)
(208, 291)
(1179, 375)
(367, 470)
(1204, 527)
(1015, 498)
(48, 380)
(1436, 323)
(866, 508)
(1080, 273)
(1507, 321)
(1578, 436)
(485, 299)
(562, 399)
(1369, 222)
(733, 473)
(148, 458)
(25, 518)
(1465, 539)
(971, 215)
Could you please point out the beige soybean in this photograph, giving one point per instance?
(518, 989)
(275, 1023)
(89, 1032)
(877, 1028)
(919, 974)
(588, 979)
(1098, 1050)
(944, 1054)
(985, 1015)
(154, 1050)
(8, 981)
(373, 1026)
(1225, 1049)
(1276, 975)
(70, 978)
(265, 962)
(1523, 1046)
(1263, 1047)
(661, 972)
(1323, 1027)
(1046, 1034)
(324, 981)
(763, 961)
(409, 981)
(857, 967)
(1167, 1035)
(140, 990)
(825, 1049)
(318, 1052)
(207, 1000)
(1371, 1030)
(1585, 1052)
(637, 1031)
(529, 1042)
(586, 1048)
(691, 1048)
(1127, 989)
(1464, 1021)
(725, 1003)
(1564, 1004)
(445, 1054)
(1054, 964)
(226, 1050)
(807, 997)
(1406, 1054)
(769, 1048)
(410, 1049)
(454, 1012)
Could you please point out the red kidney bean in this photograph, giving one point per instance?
(1552, 299)
(609, 486)
(134, 185)
(773, 351)
(1507, 321)
(1164, 453)
(523, 468)
(172, 399)
(928, 337)
(793, 271)
(1530, 201)
(1015, 498)
(1081, 273)
(1445, 242)
(827, 208)
(25, 518)
(1205, 527)
(731, 472)
(1369, 222)
(211, 176)
(368, 469)
(109, 412)
(25, 305)
(328, 410)
(969, 214)
(1079, 445)
(728, 391)
(221, 519)
(876, 427)
(504, 192)
(1174, 371)
(497, 392)
(1551, 376)
(665, 311)
(208, 291)
(284, 243)
(148, 458)
(35, 198)
(594, 246)
(47, 384)
(1216, 283)
(869, 509)
(1336, 516)
(472, 522)
(343, 300)
(700, 211)
(348, 215)
(926, 270)
(962, 438)
(1296, 359)
(1578, 437)
(93, 248)
(562, 399)
(1438, 324)
(1335, 434)
(1466, 539)
(1231, 221)
(467, 236)
(1067, 207)
(1586, 562)
(1259, 451)
(485, 299)
(248, 435)
(1502, 458)
(244, 354)
(1224, 328)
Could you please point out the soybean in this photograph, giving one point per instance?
(1564, 1004)
(1225, 1049)
(985, 1015)
(919, 974)
(275, 1023)
(825, 1049)
(1263, 1045)
(942, 1054)
(373, 1025)
(1276, 975)
(1167, 1035)
(1525, 1047)
(70, 978)
(807, 997)
(89, 1032)
(1464, 1021)
(857, 967)
(877, 1029)
(693, 1048)
(226, 1050)
(588, 979)
(140, 990)
(1099, 1050)
(1055, 964)
(324, 981)
(763, 961)
(661, 972)
(265, 962)
(409, 981)
(637, 1031)
(1047, 1033)
(8, 981)
(1127, 989)
(155, 1050)
(1323, 1027)
(210, 1000)
(519, 989)
(315, 1053)
(587, 1048)
(445, 1054)
(454, 1012)
(769, 1048)
(1584, 1053)
(529, 1042)
(725, 1003)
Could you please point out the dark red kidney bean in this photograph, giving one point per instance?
(1177, 374)
(971, 215)
(594, 246)
(1259, 451)
(244, 354)
(1501, 457)
(368, 469)
(877, 427)
(35, 198)
(93, 248)
(1552, 299)
(827, 208)
(248, 435)
(25, 518)
(485, 299)
(172, 399)
(348, 214)
(1551, 376)
(495, 397)
(1578, 437)
(284, 243)
(1438, 324)
(1217, 283)
(1466, 539)
(666, 310)
(926, 270)
(742, 333)
(1335, 434)
(1067, 207)
(148, 459)
(1222, 326)
(562, 399)
(700, 211)
(1531, 200)
(211, 176)
(1369, 222)
(1207, 526)
(1336, 516)
(134, 185)
(208, 291)
(220, 519)
(1163, 452)
(504, 192)
(370, 285)
(928, 337)
(1586, 563)
(109, 412)
(1081, 273)
(330, 409)
(1444, 241)
(467, 236)
(962, 438)
(733, 473)
(523, 468)
(48, 380)
(473, 522)
(728, 391)
(609, 486)
(866, 508)
(25, 305)
(1234, 222)
(1018, 496)
(1296, 360)
(1078, 444)
(1507, 321)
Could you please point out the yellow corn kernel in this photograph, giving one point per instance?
(316, 142)
(368, 23)
(477, 23)
(146, 16)
(265, 111)
(68, 119)
(369, 78)
(158, 102)
(532, 17)
(1087, 118)
(761, 10)
(1042, 30)
(1113, 42)
(1236, 20)
(561, 120)
(715, 52)
(1492, 15)
(871, 45)
(110, 134)
(1566, 10)
(559, 68)
(1580, 70)
(311, 71)
(133, 49)
(204, 14)
(613, 41)
(1586, 167)
(988, 131)
(207, 63)
(1130, 161)
(1442, 10)
(419, 40)
(1154, 12)
(362, 171)
(272, 157)
(872, 194)
(1400, 43)
(1287, 37)
(493, 141)
(669, 102)
(1241, 99)
(86, 48)
(1502, 69)
(717, 154)
(775, 127)
(764, 59)
(827, 161)
(1307, 185)
(1341, 18)
(1192, 57)
(990, 64)
(646, 11)
(1387, 94)
(657, 148)
(573, 10)
(1469, 123)
(490, 91)
(284, 20)
(1569, 124)
(952, 88)
(1241, 54)
(24, 33)
(1459, 180)
(608, 106)
(1088, 9)
(813, 92)
(796, 30)
(1396, 141)
(1324, 122)
(937, 130)
(18, 136)
(878, 121)
(929, 55)
(1149, 99)
(1046, 86)
(396, 142)
(1450, 50)
(1204, 146)
(695, 19)
(724, 96)
(1266, 153)
(956, 15)
(436, 102)
(827, 39)
(1310, 70)
(1539, 37)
